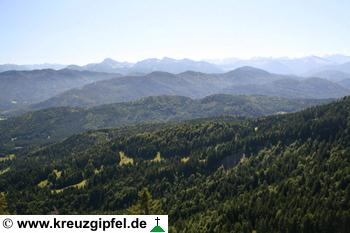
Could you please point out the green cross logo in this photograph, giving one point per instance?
(157, 228)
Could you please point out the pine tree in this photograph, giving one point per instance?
(145, 200)
(3, 204)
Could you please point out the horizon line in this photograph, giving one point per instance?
(209, 60)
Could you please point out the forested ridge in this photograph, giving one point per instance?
(52, 125)
(282, 173)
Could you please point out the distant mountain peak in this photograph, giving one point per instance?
(160, 73)
(174, 65)
(249, 69)
(192, 73)
(317, 59)
(109, 61)
(114, 64)
(168, 59)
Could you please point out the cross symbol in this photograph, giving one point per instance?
(157, 219)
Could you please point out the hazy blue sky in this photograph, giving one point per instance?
(82, 31)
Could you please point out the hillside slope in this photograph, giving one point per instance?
(22, 88)
(50, 125)
(285, 173)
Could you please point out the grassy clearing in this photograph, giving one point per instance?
(97, 171)
(185, 159)
(44, 183)
(8, 157)
(125, 160)
(157, 158)
(79, 185)
(4, 171)
(202, 160)
(58, 174)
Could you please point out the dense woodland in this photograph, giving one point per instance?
(284, 173)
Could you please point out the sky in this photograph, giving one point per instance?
(84, 31)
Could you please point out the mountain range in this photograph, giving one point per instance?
(7, 67)
(39, 89)
(303, 66)
(242, 81)
(150, 65)
(108, 65)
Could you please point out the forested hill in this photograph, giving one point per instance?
(51, 125)
(241, 81)
(285, 173)
(19, 89)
